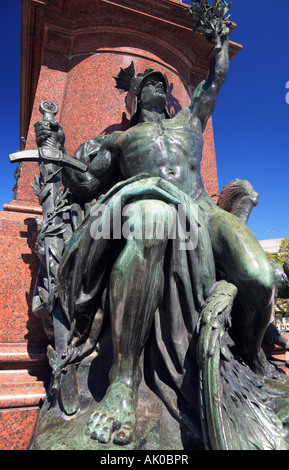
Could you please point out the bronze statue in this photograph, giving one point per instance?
(174, 312)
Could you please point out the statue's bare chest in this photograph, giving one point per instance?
(161, 142)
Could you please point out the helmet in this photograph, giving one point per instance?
(126, 80)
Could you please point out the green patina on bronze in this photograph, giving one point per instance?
(158, 342)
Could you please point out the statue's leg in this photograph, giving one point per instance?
(136, 288)
(240, 256)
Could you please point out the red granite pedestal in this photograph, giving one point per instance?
(70, 52)
(23, 364)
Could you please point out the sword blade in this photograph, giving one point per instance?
(24, 155)
(47, 155)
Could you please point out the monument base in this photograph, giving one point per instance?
(24, 368)
(156, 428)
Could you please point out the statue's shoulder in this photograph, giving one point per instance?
(91, 147)
(182, 117)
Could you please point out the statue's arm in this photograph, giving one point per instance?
(99, 156)
(205, 96)
(101, 167)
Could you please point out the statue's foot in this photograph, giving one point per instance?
(115, 412)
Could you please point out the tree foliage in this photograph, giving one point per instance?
(282, 305)
(283, 252)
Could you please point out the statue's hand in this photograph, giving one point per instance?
(49, 134)
(217, 38)
(211, 20)
(50, 140)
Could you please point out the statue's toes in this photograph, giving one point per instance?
(100, 427)
(92, 423)
(104, 431)
(125, 433)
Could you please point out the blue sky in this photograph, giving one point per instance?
(251, 119)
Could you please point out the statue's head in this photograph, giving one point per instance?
(147, 89)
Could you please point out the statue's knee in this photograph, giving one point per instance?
(149, 222)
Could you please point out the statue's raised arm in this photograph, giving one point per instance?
(214, 24)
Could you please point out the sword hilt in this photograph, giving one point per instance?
(49, 109)
(49, 151)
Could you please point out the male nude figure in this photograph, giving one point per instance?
(170, 149)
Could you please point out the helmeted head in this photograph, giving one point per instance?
(128, 81)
